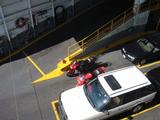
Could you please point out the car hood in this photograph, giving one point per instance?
(77, 106)
(134, 50)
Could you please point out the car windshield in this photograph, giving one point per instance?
(146, 45)
(96, 94)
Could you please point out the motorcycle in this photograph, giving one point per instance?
(83, 78)
(79, 67)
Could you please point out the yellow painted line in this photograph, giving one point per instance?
(49, 76)
(35, 65)
(61, 65)
(55, 109)
(56, 72)
(148, 65)
(142, 112)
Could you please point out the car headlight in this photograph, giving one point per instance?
(131, 57)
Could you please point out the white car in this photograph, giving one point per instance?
(109, 94)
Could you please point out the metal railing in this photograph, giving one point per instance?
(109, 27)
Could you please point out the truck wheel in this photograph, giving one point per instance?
(137, 108)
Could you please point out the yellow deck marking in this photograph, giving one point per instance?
(142, 112)
(148, 65)
(55, 109)
(35, 65)
(53, 74)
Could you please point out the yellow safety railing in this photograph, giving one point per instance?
(109, 27)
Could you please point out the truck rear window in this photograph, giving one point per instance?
(112, 82)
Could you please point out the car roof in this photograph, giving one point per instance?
(129, 79)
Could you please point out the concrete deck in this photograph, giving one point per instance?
(20, 100)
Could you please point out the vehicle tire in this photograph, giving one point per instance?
(137, 108)
(143, 61)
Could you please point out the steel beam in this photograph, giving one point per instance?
(30, 12)
(53, 12)
(5, 27)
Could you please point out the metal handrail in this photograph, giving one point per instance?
(109, 27)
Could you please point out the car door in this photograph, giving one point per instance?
(128, 101)
(115, 106)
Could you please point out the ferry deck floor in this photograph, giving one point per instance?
(22, 100)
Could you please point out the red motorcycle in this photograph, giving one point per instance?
(79, 67)
(83, 78)
(73, 71)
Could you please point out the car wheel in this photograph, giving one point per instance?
(143, 61)
(137, 108)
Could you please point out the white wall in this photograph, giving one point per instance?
(36, 2)
(7, 2)
(14, 9)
